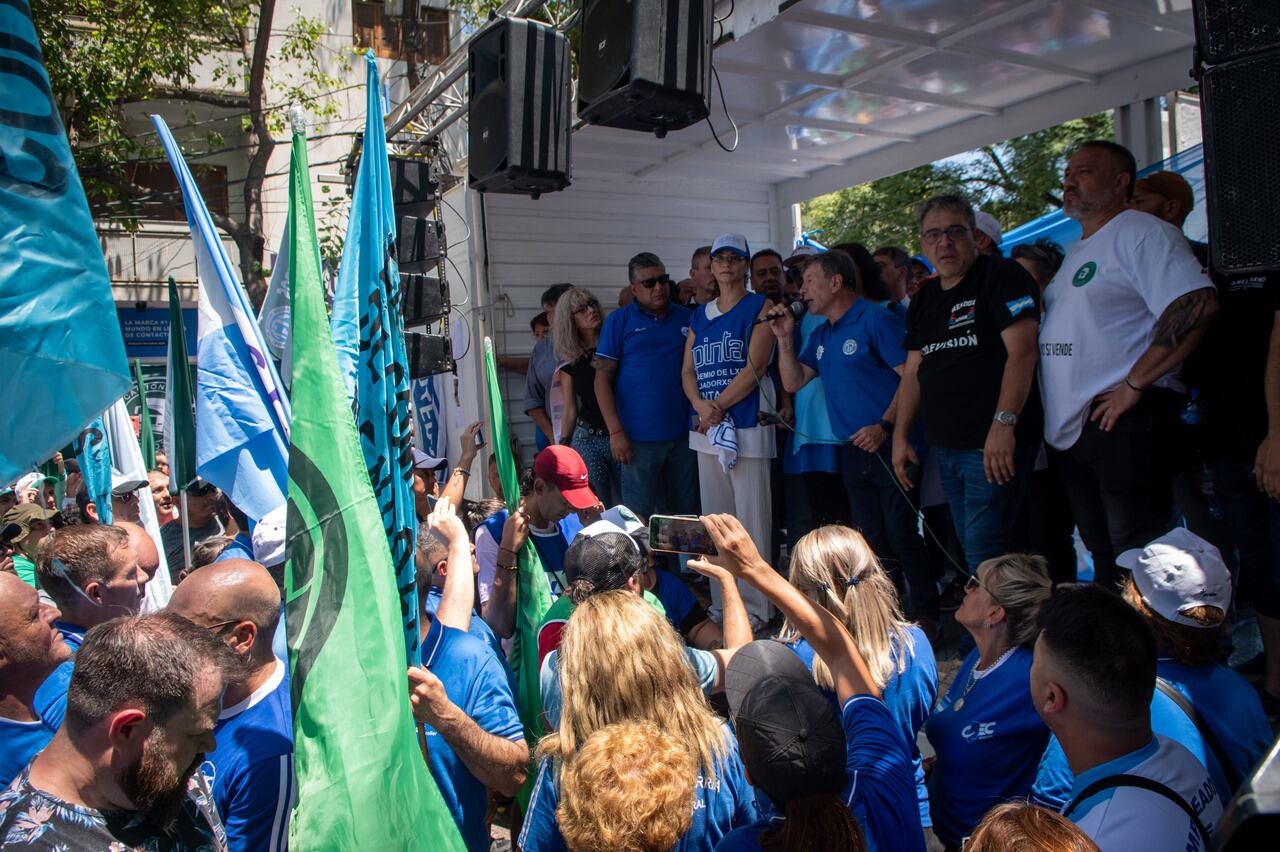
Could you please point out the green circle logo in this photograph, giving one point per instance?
(1084, 274)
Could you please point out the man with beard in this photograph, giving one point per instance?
(30, 648)
(91, 572)
(251, 770)
(121, 773)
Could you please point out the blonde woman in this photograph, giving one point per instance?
(574, 334)
(621, 661)
(986, 730)
(836, 568)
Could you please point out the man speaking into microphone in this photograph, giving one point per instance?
(859, 356)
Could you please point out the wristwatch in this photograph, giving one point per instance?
(1008, 418)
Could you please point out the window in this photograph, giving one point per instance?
(166, 205)
(374, 28)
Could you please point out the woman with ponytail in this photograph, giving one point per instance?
(792, 739)
(835, 568)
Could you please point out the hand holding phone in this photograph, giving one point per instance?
(675, 534)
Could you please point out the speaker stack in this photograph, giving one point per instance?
(420, 250)
(1239, 41)
(519, 113)
(645, 64)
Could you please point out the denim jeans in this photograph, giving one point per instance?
(662, 477)
(1253, 521)
(888, 519)
(984, 513)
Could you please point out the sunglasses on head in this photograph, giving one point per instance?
(650, 283)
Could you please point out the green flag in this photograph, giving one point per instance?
(533, 597)
(179, 406)
(146, 437)
(361, 778)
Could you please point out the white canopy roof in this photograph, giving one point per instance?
(832, 93)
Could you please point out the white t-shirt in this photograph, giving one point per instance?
(1101, 311)
(1122, 819)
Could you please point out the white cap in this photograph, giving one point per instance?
(801, 252)
(423, 461)
(735, 243)
(268, 538)
(122, 484)
(622, 517)
(1177, 571)
(987, 224)
(602, 526)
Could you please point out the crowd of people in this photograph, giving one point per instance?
(869, 440)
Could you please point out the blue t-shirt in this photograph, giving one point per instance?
(551, 546)
(19, 742)
(1054, 779)
(650, 355)
(881, 792)
(1228, 705)
(476, 683)
(988, 742)
(678, 602)
(909, 695)
(241, 547)
(51, 697)
(856, 357)
(251, 769)
(720, 352)
(722, 802)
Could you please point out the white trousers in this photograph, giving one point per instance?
(744, 493)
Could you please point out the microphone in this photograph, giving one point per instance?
(796, 309)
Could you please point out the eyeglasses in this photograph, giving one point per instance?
(725, 258)
(973, 584)
(650, 283)
(955, 234)
(589, 306)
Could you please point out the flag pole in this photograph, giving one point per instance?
(186, 532)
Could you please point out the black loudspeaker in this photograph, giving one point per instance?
(419, 244)
(428, 354)
(519, 117)
(645, 64)
(1230, 29)
(1240, 114)
(414, 192)
(422, 299)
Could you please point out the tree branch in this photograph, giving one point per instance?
(225, 100)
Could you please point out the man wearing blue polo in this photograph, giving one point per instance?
(858, 353)
(638, 363)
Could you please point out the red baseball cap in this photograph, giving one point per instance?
(565, 469)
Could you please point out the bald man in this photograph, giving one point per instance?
(30, 649)
(251, 769)
(144, 546)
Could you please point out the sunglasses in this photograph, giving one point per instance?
(650, 283)
(725, 258)
(973, 584)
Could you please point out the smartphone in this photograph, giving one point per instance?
(677, 534)
(479, 438)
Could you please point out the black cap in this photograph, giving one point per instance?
(604, 555)
(789, 733)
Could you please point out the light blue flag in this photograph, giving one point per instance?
(273, 318)
(242, 412)
(93, 452)
(61, 354)
(369, 291)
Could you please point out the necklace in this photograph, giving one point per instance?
(974, 677)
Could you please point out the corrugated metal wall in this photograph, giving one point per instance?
(586, 234)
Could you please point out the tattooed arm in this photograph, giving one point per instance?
(619, 442)
(1178, 331)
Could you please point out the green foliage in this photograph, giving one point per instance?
(474, 13)
(1015, 181)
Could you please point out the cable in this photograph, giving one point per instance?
(716, 74)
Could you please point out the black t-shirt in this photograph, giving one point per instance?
(957, 332)
(584, 388)
(1228, 367)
